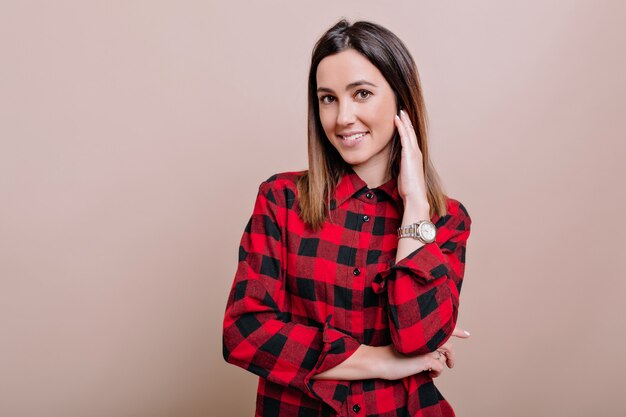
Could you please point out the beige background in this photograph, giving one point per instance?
(134, 136)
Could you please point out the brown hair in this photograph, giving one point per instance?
(326, 166)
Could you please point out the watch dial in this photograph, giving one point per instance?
(428, 231)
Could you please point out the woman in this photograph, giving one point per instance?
(347, 287)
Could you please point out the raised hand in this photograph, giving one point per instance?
(411, 182)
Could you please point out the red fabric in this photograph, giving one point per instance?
(303, 301)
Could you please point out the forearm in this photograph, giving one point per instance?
(379, 362)
(413, 212)
(364, 363)
(423, 291)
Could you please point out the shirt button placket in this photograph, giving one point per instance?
(369, 210)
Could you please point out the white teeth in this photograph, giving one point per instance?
(355, 136)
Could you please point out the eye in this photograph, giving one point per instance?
(323, 99)
(360, 94)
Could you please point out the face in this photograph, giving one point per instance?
(357, 107)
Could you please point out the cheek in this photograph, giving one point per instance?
(380, 118)
(386, 131)
(384, 126)
(327, 121)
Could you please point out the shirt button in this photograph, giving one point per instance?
(356, 408)
(356, 271)
(366, 218)
(369, 195)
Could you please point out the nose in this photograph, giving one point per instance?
(346, 113)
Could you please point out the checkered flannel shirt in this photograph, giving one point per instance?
(303, 301)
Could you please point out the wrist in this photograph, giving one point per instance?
(415, 201)
(415, 211)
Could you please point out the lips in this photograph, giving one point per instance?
(353, 139)
(354, 135)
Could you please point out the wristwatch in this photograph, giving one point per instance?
(424, 231)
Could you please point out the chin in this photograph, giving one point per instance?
(353, 161)
(353, 158)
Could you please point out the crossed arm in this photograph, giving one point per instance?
(386, 361)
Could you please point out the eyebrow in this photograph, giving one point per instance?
(348, 87)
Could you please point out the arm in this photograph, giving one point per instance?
(370, 362)
(413, 212)
(423, 286)
(257, 332)
(364, 363)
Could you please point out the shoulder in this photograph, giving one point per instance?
(282, 188)
(284, 179)
(457, 217)
(457, 209)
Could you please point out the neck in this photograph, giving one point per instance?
(374, 175)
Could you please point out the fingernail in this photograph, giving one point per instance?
(402, 111)
(466, 332)
(397, 117)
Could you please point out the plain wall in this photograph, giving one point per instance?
(134, 135)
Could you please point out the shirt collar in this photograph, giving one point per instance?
(351, 184)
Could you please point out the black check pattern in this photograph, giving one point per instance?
(303, 301)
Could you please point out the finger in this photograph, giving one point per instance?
(448, 350)
(442, 356)
(410, 130)
(434, 374)
(435, 367)
(450, 357)
(404, 140)
(458, 332)
(437, 357)
(407, 120)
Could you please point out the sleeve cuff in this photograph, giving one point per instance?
(426, 263)
(337, 347)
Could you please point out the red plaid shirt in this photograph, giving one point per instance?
(303, 301)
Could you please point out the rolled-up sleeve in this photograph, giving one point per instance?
(423, 288)
(258, 333)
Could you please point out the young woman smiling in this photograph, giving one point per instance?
(347, 289)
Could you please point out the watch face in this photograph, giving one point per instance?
(428, 231)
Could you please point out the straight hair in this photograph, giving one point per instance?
(316, 187)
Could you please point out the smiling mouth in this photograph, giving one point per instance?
(353, 137)
(353, 140)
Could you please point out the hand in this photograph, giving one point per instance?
(411, 182)
(397, 366)
(447, 355)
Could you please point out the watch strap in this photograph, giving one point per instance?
(412, 231)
